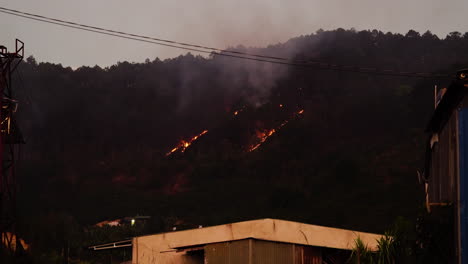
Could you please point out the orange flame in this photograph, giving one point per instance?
(263, 136)
(184, 144)
(238, 111)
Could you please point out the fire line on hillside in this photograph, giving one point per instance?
(263, 136)
(184, 144)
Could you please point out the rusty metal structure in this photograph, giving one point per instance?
(264, 252)
(9, 138)
(445, 175)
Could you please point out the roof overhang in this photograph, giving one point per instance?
(263, 229)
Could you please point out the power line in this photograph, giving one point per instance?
(222, 52)
(100, 32)
(82, 26)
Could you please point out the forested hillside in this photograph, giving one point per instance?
(97, 138)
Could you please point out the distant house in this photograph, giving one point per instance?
(446, 166)
(115, 222)
(123, 221)
(266, 241)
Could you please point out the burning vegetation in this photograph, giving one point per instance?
(238, 111)
(184, 144)
(264, 135)
(261, 136)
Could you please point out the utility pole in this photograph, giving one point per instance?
(9, 137)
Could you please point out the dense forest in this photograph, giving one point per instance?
(97, 140)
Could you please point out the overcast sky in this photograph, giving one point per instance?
(216, 23)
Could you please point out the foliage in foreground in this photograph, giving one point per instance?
(429, 240)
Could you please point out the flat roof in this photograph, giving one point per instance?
(263, 229)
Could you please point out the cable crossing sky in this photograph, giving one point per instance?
(224, 52)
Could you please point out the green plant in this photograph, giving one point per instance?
(361, 254)
(386, 250)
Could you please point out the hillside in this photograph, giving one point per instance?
(97, 138)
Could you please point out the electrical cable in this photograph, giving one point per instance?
(15, 12)
(222, 52)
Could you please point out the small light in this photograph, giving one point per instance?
(133, 222)
(462, 75)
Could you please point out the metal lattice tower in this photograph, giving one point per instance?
(9, 137)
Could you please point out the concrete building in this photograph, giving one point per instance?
(268, 241)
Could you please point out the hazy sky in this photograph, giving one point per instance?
(216, 23)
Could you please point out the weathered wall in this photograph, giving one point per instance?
(235, 252)
(443, 176)
(252, 251)
(265, 252)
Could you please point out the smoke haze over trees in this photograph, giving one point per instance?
(97, 138)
